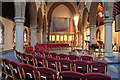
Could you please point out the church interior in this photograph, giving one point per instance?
(48, 40)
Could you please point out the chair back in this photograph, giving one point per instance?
(97, 76)
(86, 58)
(24, 58)
(65, 65)
(16, 69)
(98, 66)
(7, 66)
(46, 73)
(53, 55)
(81, 66)
(40, 61)
(29, 72)
(73, 57)
(18, 54)
(45, 54)
(31, 59)
(52, 63)
(62, 56)
(71, 75)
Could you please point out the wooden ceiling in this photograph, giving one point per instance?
(27, 16)
(116, 9)
(8, 10)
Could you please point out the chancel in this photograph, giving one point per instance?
(59, 40)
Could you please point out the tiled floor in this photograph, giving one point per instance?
(113, 63)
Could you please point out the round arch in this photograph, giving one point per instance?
(40, 19)
(32, 10)
(70, 7)
(85, 16)
(54, 5)
(93, 11)
(45, 21)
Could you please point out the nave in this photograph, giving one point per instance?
(85, 34)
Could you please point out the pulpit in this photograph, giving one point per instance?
(100, 44)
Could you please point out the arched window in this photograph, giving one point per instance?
(14, 35)
(1, 32)
(25, 35)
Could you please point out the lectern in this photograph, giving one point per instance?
(100, 43)
(87, 42)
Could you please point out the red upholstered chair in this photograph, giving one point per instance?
(24, 58)
(98, 66)
(29, 50)
(16, 70)
(62, 56)
(54, 55)
(46, 47)
(37, 49)
(97, 76)
(30, 59)
(70, 75)
(7, 68)
(45, 54)
(6, 63)
(73, 57)
(65, 65)
(41, 48)
(81, 66)
(86, 58)
(45, 73)
(40, 61)
(18, 55)
(29, 72)
(52, 63)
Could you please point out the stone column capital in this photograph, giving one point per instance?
(19, 20)
(33, 27)
(92, 26)
(108, 20)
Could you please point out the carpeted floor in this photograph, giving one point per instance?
(113, 63)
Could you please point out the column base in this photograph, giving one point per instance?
(109, 55)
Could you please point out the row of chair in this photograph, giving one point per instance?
(45, 47)
(55, 45)
(64, 64)
(25, 71)
(60, 56)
